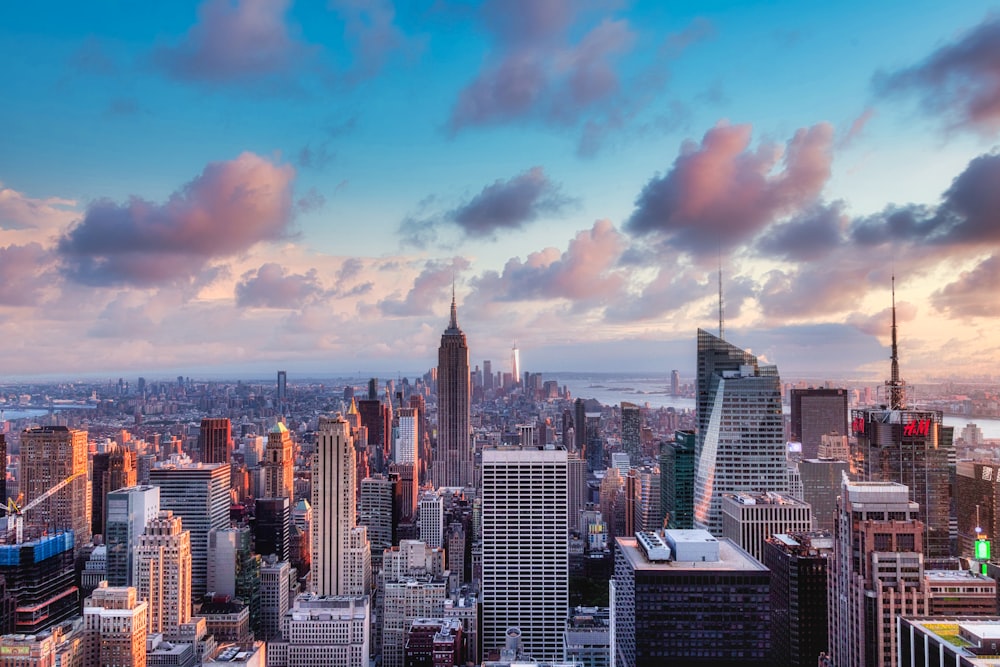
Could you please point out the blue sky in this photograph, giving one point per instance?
(227, 184)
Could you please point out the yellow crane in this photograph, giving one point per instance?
(15, 520)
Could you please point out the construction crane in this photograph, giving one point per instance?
(15, 520)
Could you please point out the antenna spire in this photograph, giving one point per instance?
(897, 398)
(722, 321)
(454, 309)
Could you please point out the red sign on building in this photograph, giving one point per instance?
(917, 428)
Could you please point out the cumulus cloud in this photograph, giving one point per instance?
(228, 208)
(23, 273)
(271, 286)
(234, 42)
(19, 211)
(675, 288)
(973, 293)
(960, 80)
(969, 212)
(880, 323)
(551, 63)
(510, 204)
(807, 236)
(371, 33)
(585, 273)
(428, 289)
(722, 193)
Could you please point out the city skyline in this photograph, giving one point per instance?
(221, 185)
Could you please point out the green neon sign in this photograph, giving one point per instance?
(982, 549)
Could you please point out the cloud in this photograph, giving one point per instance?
(880, 323)
(19, 211)
(721, 193)
(807, 236)
(857, 127)
(968, 214)
(428, 289)
(959, 81)
(371, 34)
(228, 208)
(24, 273)
(974, 293)
(235, 41)
(510, 204)
(271, 286)
(585, 273)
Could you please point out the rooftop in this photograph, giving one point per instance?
(731, 558)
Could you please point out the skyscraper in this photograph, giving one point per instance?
(162, 573)
(215, 440)
(877, 572)
(741, 444)
(49, 455)
(911, 447)
(198, 493)
(515, 364)
(815, 413)
(115, 622)
(525, 550)
(338, 564)
(631, 430)
(677, 480)
(272, 533)
(129, 510)
(279, 468)
(282, 390)
(453, 460)
(406, 445)
(110, 471)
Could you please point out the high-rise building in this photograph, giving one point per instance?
(338, 564)
(162, 573)
(821, 482)
(115, 622)
(430, 518)
(110, 471)
(488, 375)
(977, 501)
(198, 493)
(525, 549)
(332, 631)
(407, 446)
(631, 430)
(434, 642)
(273, 529)
(683, 597)
(215, 440)
(741, 444)
(677, 480)
(275, 592)
(453, 464)
(376, 512)
(49, 455)
(675, 383)
(643, 499)
(129, 510)
(40, 577)
(876, 573)
(748, 519)
(798, 564)
(403, 478)
(406, 600)
(281, 392)
(577, 471)
(815, 413)
(515, 364)
(279, 466)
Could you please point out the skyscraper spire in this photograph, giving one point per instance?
(454, 309)
(897, 398)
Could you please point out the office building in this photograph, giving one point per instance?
(430, 518)
(215, 440)
(948, 641)
(821, 481)
(587, 640)
(198, 493)
(960, 593)
(876, 572)
(799, 567)
(434, 642)
(115, 622)
(631, 430)
(273, 527)
(110, 471)
(643, 498)
(406, 490)
(977, 500)
(279, 465)
(748, 519)
(407, 446)
(376, 512)
(162, 572)
(577, 488)
(525, 550)
(338, 565)
(741, 435)
(129, 510)
(40, 577)
(684, 597)
(815, 413)
(281, 392)
(49, 455)
(677, 480)
(275, 597)
(406, 600)
(332, 631)
(453, 464)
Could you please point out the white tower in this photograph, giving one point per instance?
(162, 572)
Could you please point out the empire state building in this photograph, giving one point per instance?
(453, 464)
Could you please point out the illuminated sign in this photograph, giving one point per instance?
(917, 427)
(15, 650)
(858, 424)
(982, 549)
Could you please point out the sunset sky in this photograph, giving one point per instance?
(261, 184)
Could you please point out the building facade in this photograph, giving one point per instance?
(129, 510)
(162, 573)
(453, 464)
(816, 412)
(279, 465)
(49, 455)
(748, 519)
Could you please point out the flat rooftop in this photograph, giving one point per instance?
(731, 558)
